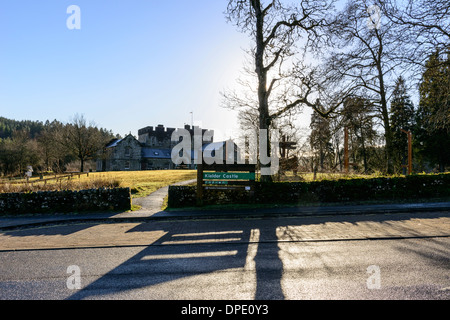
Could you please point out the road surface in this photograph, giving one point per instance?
(397, 256)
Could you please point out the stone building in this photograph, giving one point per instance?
(150, 151)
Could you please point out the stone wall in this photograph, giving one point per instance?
(403, 189)
(92, 200)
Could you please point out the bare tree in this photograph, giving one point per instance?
(425, 29)
(276, 28)
(53, 156)
(358, 117)
(18, 152)
(424, 25)
(82, 140)
(365, 58)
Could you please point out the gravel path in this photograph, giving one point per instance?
(153, 203)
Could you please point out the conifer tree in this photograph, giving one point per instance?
(320, 140)
(433, 125)
(401, 118)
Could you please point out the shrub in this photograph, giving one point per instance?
(343, 190)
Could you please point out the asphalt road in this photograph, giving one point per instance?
(403, 256)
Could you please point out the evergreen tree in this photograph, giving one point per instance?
(433, 126)
(8, 126)
(402, 118)
(320, 140)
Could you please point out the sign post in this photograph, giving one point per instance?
(200, 185)
(29, 173)
(224, 177)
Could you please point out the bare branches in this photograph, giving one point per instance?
(363, 56)
(424, 25)
(277, 29)
(81, 139)
(367, 58)
(429, 16)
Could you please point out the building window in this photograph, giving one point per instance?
(127, 165)
(127, 152)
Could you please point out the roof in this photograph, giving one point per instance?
(113, 143)
(156, 153)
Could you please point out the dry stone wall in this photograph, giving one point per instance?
(92, 200)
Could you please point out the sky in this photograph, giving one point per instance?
(131, 64)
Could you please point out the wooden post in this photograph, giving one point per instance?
(283, 147)
(409, 150)
(409, 153)
(200, 185)
(346, 150)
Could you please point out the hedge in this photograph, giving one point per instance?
(343, 190)
(65, 201)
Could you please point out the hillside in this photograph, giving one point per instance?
(8, 126)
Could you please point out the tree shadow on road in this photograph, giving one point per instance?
(218, 246)
(228, 256)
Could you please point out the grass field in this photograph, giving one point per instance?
(309, 176)
(141, 183)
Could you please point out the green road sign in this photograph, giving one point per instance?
(229, 175)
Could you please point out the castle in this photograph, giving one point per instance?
(150, 151)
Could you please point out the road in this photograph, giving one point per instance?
(396, 256)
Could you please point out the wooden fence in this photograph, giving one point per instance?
(41, 179)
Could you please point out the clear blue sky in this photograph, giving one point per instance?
(133, 63)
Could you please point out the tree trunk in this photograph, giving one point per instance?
(264, 117)
(385, 115)
(388, 137)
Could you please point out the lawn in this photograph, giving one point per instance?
(141, 183)
(309, 176)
